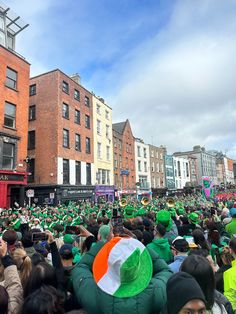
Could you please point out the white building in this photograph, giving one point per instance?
(181, 171)
(142, 166)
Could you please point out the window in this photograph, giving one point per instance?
(115, 161)
(31, 170)
(98, 109)
(99, 150)
(98, 127)
(157, 167)
(108, 152)
(32, 90)
(77, 116)
(65, 138)
(87, 144)
(139, 152)
(107, 131)
(139, 165)
(8, 156)
(153, 167)
(65, 87)
(10, 41)
(145, 166)
(114, 142)
(11, 78)
(187, 170)
(77, 172)
(108, 177)
(32, 113)
(161, 156)
(77, 142)
(65, 111)
(77, 94)
(87, 121)
(10, 115)
(152, 155)
(157, 155)
(144, 153)
(88, 173)
(2, 24)
(31, 140)
(66, 171)
(103, 176)
(178, 166)
(86, 101)
(107, 114)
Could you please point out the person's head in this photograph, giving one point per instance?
(46, 299)
(200, 268)
(160, 231)
(180, 246)
(66, 254)
(3, 300)
(184, 295)
(23, 263)
(199, 239)
(104, 233)
(42, 274)
(232, 246)
(10, 236)
(226, 256)
(37, 258)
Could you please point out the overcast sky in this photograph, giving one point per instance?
(168, 66)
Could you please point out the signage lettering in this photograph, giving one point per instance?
(11, 177)
(3, 177)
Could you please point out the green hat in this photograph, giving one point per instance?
(141, 211)
(129, 212)
(181, 211)
(69, 239)
(164, 217)
(193, 218)
(172, 212)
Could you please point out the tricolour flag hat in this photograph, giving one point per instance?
(123, 267)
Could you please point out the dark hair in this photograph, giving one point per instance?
(232, 245)
(200, 268)
(27, 239)
(3, 300)
(37, 258)
(199, 252)
(138, 234)
(9, 236)
(199, 239)
(160, 229)
(44, 300)
(41, 274)
(181, 245)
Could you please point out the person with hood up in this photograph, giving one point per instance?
(160, 244)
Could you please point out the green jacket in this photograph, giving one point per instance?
(231, 227)
(230, 284)
(94, 300)
(162, 248)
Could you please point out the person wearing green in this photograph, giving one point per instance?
(231, 227)
(160, 244)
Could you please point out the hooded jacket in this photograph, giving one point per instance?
(162, 247)
(94, 300)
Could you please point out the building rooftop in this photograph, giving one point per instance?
(119, 127)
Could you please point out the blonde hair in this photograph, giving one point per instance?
(23, 263)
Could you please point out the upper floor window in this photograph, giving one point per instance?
(86, 101)
(139, 165)
(66, 171)
(31, 140)
(144, 153)
(65, 111)
(87, 145)
(107, 131)
(65, 138)
(10, 115)
(32, 113)
(139, 151)
(77, 94)
(11, 80)
(98, 127)
(32, 90)
(108, 152)
(77, 142)
(77, 116)
(107, 115)
(98, 109)
(8, 156)
(87, 121)
(65, 87)
(99, 151)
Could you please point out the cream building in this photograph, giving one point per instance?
(103, 146)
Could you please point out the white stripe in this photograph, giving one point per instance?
(110, 282)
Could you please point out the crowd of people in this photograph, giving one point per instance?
(167, 256)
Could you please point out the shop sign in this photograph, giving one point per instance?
(11, 177)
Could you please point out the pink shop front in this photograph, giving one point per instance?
(104, 193)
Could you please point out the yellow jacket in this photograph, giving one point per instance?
(230, 284)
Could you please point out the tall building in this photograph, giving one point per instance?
(157, 166)
(181, 171)
(124, 158)
(60, 138)
(14, 98)
(142, 168)
(206, 162)
(103, 150)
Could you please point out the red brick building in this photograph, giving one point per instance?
(14, 98)
(60, 140)
(124, 158)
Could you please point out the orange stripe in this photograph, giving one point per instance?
(100, 264)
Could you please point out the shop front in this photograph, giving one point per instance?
(12, 188)
(104, 193)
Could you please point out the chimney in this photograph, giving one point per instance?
(76, 78)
